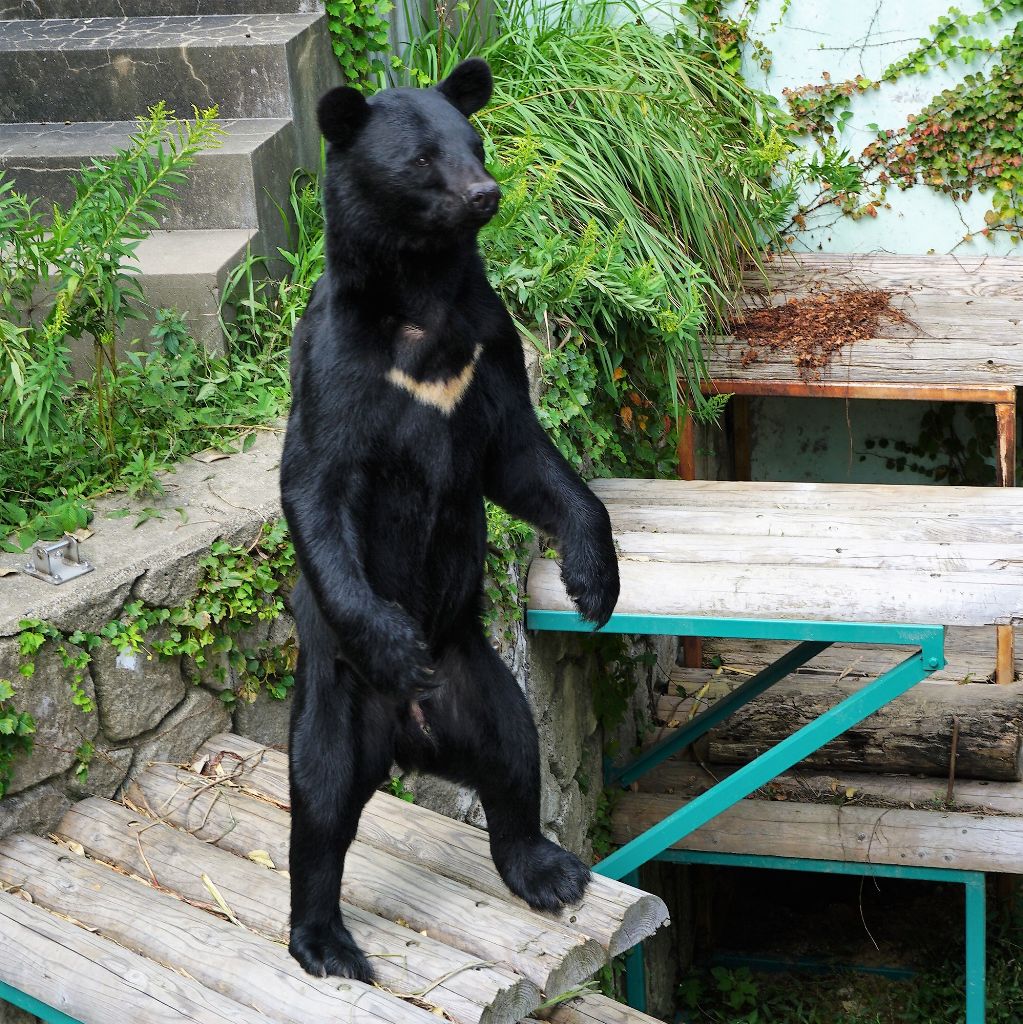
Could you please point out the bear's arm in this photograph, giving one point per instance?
(527, 475)
(378, 638)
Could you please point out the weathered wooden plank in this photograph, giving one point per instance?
(405, 961)
(551, 955)
(955, 359)
(940, 275)
(96, 981)
(965, 842)
(593, 1008)
(910, 734)
(616, 915)
(865, 499)
(870, 553)
(685, 779)
(969, 655)
(801, 592)
(237, 963)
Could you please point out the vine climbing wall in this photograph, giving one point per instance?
(910, 140)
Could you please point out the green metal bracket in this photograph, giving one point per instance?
(814, 735)
(8, 993)
(717, 712)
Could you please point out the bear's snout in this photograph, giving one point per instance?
(482, 199)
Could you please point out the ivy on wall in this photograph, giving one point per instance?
(238, 588)
(968, 138)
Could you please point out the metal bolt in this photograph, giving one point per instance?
(932, 662)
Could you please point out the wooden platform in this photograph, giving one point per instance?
(860, 818)
(836, 552)
(174, 906)
(966, 314)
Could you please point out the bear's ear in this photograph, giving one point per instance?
(469, 86)
(341, 113)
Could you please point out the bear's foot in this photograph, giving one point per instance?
(542, 873)
(329, 949)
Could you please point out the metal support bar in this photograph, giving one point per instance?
(930, 639)
(635, 967)
(976, 949)
(32, 1005)
(718, 711)
(767, 766)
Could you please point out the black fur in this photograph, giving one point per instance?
(384, 497)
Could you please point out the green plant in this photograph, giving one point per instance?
(508, 547)
(645, 151)
(358, 34)
(239, 587)
(396, 787)
(79, 261)
(16, 729)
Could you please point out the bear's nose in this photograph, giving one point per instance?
(483, 199)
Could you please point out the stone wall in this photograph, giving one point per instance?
(152, 708)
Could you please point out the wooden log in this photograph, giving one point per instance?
(95, 981)
(405, 961)
(616, 915)
(237, 963)
(863, 835)
(930, 593)
(910, 735)
(970, 656)
(685, 779)
(594, 1008)
(551, 955)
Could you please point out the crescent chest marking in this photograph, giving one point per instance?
(443, 395)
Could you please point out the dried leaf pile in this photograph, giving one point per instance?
(814, 328)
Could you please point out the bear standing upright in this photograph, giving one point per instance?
(410, 405)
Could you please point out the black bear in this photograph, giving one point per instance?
(411, 405)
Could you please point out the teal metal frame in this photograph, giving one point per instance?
(9, 994)
(811, 637)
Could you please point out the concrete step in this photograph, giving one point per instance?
(234, 186)
(16, 10)
(186, 271)
(102, 69)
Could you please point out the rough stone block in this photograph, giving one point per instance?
(106, 772)
(37, 810)
(265, 720)
(60, 725)
(199, 716)
(135, 690)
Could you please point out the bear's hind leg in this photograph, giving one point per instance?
(340, 752)
(485, 737)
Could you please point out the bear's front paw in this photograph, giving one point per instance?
(592, 583)
(542, 873)
(329, 949)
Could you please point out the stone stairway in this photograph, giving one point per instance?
(76, 73)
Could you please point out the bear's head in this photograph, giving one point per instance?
(406, 163)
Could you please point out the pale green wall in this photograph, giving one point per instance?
(810, 439)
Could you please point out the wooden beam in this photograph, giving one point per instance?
(403, 959)
(1005, 660)
(878, 835)
(554, 956)
(991, 394)
(96, 981)
(616, 915)
(911, 734)
(1005, 436)
(246, 967)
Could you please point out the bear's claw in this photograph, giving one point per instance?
(542, 873)
(329, 949)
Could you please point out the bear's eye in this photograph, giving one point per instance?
(422, 160)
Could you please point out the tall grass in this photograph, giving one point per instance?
(650, 138)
